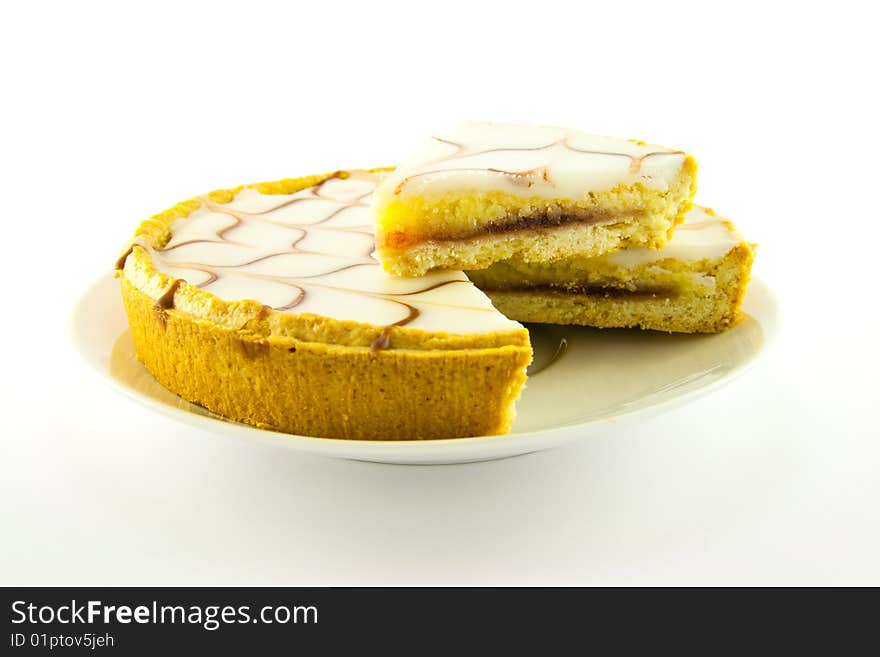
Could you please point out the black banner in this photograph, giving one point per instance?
(134, 621)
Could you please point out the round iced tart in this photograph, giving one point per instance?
(265, 305)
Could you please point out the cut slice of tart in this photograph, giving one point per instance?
(265, 305)
(696, 283)
(486, 192)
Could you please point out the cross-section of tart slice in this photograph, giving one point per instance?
(265, 305)
(695, 283)
(486, 192)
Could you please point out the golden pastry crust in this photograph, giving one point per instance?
(666, 295)
(472, 230)
(312, 375)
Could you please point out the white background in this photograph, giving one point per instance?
(111, 112)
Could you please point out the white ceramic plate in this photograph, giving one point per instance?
(583, 381)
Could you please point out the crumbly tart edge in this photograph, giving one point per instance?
(273, 370)
(614, 230)
(325, 390)
(681, 313)
(534, 245)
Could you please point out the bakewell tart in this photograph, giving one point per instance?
(695, 283)
(486, 192)
(265, 304)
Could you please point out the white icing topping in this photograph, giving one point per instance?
(529, 161)
(702, 236)
(312, 252)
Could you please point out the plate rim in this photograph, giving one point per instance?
(769, 326)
